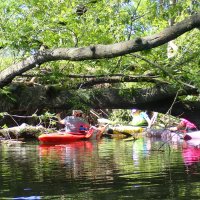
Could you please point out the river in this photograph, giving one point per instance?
(107, 169)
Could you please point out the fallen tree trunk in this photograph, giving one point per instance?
(32, 98)
(28, 99)
(23, 131)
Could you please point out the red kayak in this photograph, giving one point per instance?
(64, 137)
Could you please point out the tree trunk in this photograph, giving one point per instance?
(29, 99)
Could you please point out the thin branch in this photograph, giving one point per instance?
(122, 79)
(82, 76)
(165, 71)
(169, 110)
(148, 61)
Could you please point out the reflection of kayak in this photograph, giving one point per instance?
(191, 155)
(70, 154)
(60, 149)
(191, 152)
(192, 135)
(64, 137)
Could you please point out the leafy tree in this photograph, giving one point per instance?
(58, 41)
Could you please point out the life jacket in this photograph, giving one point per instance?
(138, 120)
(188, 125)
(74, 124)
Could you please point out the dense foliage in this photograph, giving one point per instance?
(30, 25)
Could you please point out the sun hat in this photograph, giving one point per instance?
(133, 110)
(77, 112)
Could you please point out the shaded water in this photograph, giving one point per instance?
(109, 169)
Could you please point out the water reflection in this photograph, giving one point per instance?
(191, 156)
(74, 157)
(66, 153)
(108, 169)
(30, 198)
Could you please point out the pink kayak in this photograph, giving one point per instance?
(192, 135)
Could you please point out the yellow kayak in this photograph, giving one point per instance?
(127, 129)
(122, 132)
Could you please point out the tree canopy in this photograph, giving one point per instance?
(89, 43)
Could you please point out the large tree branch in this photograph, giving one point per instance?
(100, 51)
(55, 99)
(59, 97)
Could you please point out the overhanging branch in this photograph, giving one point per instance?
(100, 51)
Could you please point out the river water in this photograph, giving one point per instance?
(107, 169)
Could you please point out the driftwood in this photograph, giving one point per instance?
(23, 131)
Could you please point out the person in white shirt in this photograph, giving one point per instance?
(75, 123)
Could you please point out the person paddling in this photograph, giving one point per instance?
(184, 125)
(140, 118)
(75, 123)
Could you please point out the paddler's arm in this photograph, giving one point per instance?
(61, 121)
(173, 129)
(101, 130)
(180, 126)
